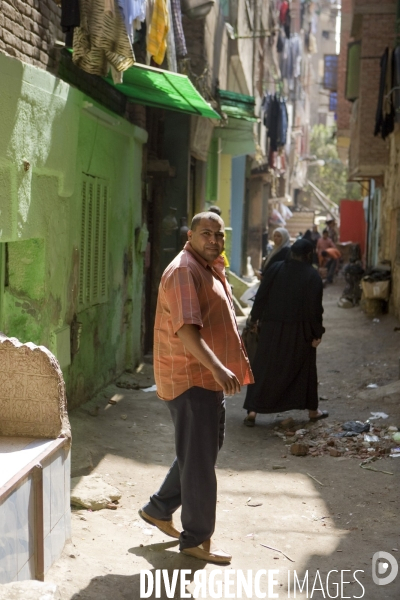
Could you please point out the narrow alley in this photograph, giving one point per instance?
(319, 513)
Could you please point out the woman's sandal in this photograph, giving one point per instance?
(249, 421)
(324, 414)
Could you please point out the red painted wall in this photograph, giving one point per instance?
(352, 222)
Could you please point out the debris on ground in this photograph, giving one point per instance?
(253, 503)
(378, 415)
(315, 479)
(277, 550)
(356, 426)
(299, 449)
(339, 439)
(93, 492)
(287, 423)
(363, 465)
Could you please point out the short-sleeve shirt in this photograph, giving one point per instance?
(193, 292)
(324, 244)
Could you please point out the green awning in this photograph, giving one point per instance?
(237, 138)
(237, 132)
(238, 106)
(163, 89)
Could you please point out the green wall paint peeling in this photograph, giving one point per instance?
(48, 143)
(26, 268)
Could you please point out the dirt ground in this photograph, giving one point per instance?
(335, 523)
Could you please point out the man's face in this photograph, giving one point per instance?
(325, 235)
(207, 239)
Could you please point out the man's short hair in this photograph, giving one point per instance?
(325, 231)
(205, 215)
(215, 209)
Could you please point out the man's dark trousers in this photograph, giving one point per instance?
(199, 420)
(331, 267)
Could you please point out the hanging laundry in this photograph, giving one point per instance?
(158, 31)
(284, 17)
(171, 50)
(134, 12)
(385, 113)
(70, 18)
(276, 123)
(101, 39)
(180, 42)
(291, 60)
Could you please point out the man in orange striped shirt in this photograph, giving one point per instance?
(198, 357)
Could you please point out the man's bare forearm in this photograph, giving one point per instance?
(191, 338)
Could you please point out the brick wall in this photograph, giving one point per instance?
(377, 33)
(369, 154)
(194, 35)
(29, 29)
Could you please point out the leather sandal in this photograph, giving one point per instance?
(324, 414)
(166, 527)
(207, 552)
(249, 421)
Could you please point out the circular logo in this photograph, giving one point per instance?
(381, 573)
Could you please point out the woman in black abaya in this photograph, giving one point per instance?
(288, 305)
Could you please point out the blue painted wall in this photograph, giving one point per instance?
(237, 211)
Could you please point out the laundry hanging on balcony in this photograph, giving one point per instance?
(157, 20)
(290, 60)
(180, 42)
(275, 121)
(134, 13)
(101, 41)
(70, 18)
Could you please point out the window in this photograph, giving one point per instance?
(353, 71)
(330, 72)
(93, 243)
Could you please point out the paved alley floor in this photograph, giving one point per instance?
(317, 515)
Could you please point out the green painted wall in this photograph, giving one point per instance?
(49, 141)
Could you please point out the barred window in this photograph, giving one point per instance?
(94, 243)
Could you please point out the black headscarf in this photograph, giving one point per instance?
(302, 248)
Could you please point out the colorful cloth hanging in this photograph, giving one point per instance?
(101, 40)
(158, 31)
(132, 10)
(180, 42)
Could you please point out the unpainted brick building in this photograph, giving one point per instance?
(29, 30)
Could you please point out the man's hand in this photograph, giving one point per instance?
(227, 380)
(315, 343)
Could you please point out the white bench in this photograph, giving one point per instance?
(35, 441)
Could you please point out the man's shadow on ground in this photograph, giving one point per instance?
(122, 587)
